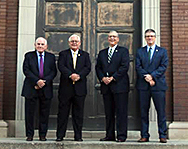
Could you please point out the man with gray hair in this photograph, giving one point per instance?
(111, 68)
(74, 65)
(39, 69)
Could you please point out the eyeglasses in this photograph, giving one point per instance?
(112, 36)
(76, 41)
(42, 44)
(150, 36)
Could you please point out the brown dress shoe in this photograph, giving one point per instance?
(143, 140)
(163, 140)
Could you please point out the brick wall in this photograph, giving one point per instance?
(180, 58)
(166, 42)
(174, 37)
(9, 57)
(2, 49)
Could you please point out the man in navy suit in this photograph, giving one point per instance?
(74, 65)
(39, 69)
(151, 64)
(111, 68)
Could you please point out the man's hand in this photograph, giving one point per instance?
(40, 83)
(152, 83)
(148, 77)
(75, 77)
(107, 80)
(110, 79)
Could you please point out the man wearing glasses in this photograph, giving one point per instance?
(111, 68)
(151, 64)
(74, 65)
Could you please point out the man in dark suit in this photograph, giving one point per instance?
(111, 68)
(151, 64)
(74, 65)
(39, 69)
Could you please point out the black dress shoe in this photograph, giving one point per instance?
(107, 139)
(120, 140)
(78, 139)
(42, 138)
(29, 139)
(59, 139)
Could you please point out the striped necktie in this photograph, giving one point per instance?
(109, 55)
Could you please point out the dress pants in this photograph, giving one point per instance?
(116, 103)
(44, 111)
(77, 103)
(159, 102)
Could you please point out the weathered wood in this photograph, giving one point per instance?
(92, 20)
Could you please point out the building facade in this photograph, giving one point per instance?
(24, 20)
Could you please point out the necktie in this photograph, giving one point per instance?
(109, 55)
(41, 67)
(149, 53)
(74, 60)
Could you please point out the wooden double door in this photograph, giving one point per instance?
(92, 20)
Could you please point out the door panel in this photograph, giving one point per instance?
(91, 20)
(115, 14)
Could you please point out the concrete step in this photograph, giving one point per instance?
(90, 134)
(68, 143)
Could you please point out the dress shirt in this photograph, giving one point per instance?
(74, 52)
(113, 49)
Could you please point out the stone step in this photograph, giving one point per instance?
(90, 134)
(68, 143)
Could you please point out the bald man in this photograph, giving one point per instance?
(39, 69)
(111, 68)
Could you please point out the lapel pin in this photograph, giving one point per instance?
(116, 50)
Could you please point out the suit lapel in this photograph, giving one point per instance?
(78, 61)
(145, 52)
(45, 62)
(106, 55)
(69, 58)
(35, 60)
(115, 53)
(156, 50)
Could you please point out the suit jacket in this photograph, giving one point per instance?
(31, 72)
(156, 68)
(65, 65)
(118, 68)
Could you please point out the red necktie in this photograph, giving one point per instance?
(41, 67)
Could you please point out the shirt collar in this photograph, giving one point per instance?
(38, 54)
(114, 47)
(153, 47)
(75, 51)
